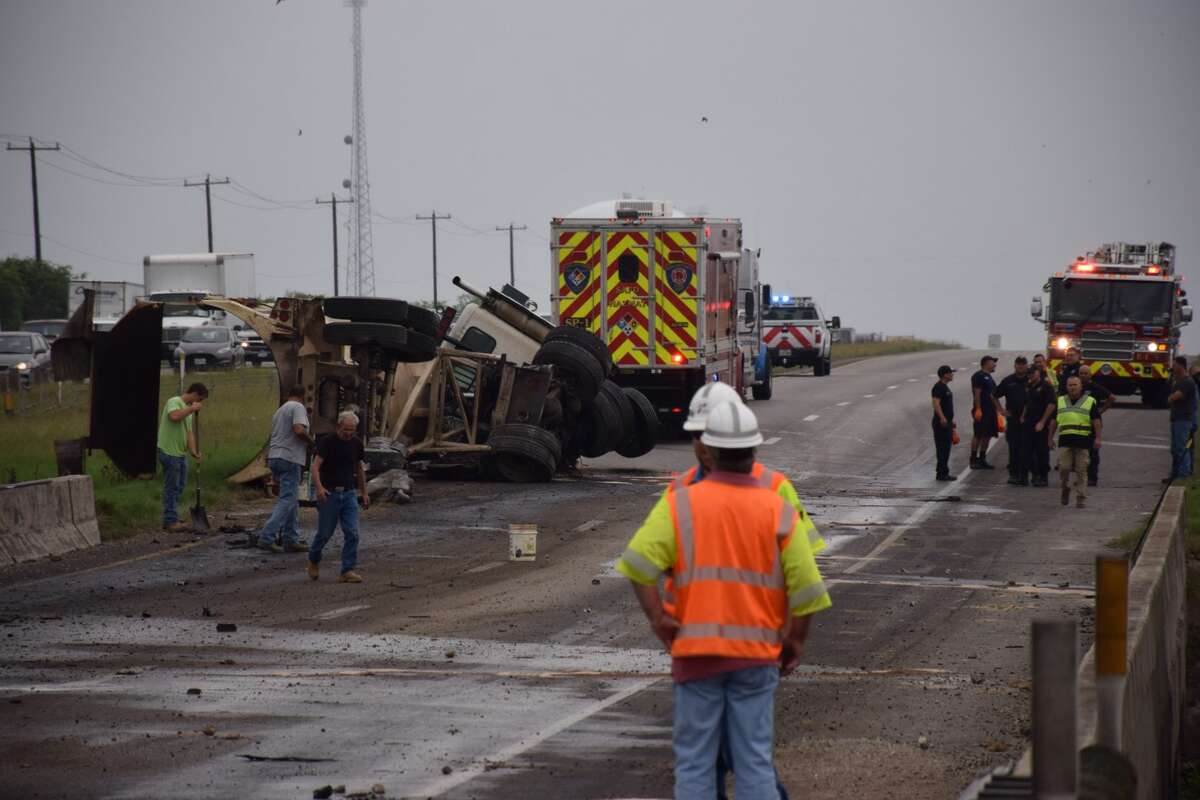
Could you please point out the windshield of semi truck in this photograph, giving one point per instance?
(184, 310)
(1142, 303)
(788, 313)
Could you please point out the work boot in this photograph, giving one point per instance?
(350, 577)
(983, 464)
(945, 478)
(1080, 503)
(176, 527)
(295, 547)
(1093, 482)
(270, 547)
(313, 571)
(1066, 494)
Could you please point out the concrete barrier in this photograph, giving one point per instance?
(47, 518)
(1153, 696)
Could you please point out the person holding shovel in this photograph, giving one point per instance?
(177, 438)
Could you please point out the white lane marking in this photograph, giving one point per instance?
(914, 380)
(916, 518)
(503, 755)
(608, 570)
(893, 387)
(590, 525)
(844, 403)
(485, 567)
(340, 612)
(1107, 443)
(772, 440)
(811, 417)
(867, 396)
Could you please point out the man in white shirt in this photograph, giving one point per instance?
(286, 456)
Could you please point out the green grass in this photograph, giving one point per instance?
(841, 352)
(235, 425)
(1127, 541)
(1190, 768)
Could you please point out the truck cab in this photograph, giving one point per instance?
(796, 332)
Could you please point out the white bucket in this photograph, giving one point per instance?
(522, 541)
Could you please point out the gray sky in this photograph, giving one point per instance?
(918, 167)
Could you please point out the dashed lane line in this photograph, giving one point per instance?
(341, 612)
(1107, 443)
(893, 386)
(867, 396)
(772, 440)
(811, 417)
(844, 403)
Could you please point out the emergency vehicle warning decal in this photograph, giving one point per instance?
(675, 298)
(1123, 369)
(628, 287)
(578, 291)
(797, 338)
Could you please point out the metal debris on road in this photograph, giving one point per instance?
(287, 759)
(226, 627)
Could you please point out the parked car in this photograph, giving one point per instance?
(50, 329)
(254, 348)
(26, 354)
(209, 346)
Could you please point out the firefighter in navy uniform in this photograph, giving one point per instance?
(1035, 421)
(1012, 392)
(1069, 368)
(1105, 399)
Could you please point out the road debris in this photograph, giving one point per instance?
(286, 759)
(323, 793)
(226, 627)
(194, 691)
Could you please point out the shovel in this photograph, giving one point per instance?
(199, 515)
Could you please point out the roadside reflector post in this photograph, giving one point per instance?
(1055, 689)
(1112, 625)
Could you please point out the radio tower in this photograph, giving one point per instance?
(361, 268)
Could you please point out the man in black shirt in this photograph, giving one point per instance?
(943, 421)
(1069, 368)
(1035, 421)
(1105, 400)
(1012, 392)
(1183, 419)
(341, 484)
(983, 410)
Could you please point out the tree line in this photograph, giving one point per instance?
(32, 289)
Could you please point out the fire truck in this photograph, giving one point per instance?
(796, 332)
(1123, 306)
(674, 296)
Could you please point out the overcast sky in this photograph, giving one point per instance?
(918, 167)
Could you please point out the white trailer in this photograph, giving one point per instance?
(199, 274)
(113, 298)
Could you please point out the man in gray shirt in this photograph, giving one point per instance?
(286, 455)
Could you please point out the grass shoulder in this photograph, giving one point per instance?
(861, 350)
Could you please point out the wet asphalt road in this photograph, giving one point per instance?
(453, 672)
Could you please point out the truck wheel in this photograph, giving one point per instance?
(623, 405)
(586, 339)
(573, 365)
(643, 437)
(819, 367)
(600, 431)
(382, 309)
(404, 344)
(524, 453)
(828, 365)
(763, 390)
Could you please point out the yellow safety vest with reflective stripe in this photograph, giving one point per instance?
(1075, 419)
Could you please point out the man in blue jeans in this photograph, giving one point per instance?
(286, 456)
(1183, 419)
(337, 471)
(177, 438)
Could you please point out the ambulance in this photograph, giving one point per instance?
(674, 296)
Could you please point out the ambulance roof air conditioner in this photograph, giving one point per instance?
(629, 208)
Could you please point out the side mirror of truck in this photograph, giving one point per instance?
(1185, 314)
(749, 305)
(766, 295)
(1035, 308)
(835, 323)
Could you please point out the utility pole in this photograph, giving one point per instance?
(433, 218)
(37, 217)
(512, 269)
(332, 203)
(208, 183)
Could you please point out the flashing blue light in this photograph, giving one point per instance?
(787, 299)
(774, 298)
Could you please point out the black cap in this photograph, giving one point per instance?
(945, 369)
(989, 358)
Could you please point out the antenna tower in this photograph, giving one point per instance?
(361, 267)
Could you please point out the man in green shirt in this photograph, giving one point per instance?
(177, 438)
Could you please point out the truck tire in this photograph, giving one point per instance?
(600, 431)
(819, 368)
(382, 309)
(586, 339)
(574, 366)
(763, 390)
(404, 344)
(524, 453)
(828, 365)
(623, 405)
(643, 436)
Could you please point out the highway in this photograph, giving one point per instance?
(453, 672)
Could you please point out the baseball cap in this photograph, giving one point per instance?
(944, 369)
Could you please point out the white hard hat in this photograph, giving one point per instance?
(731, 426)
(707, 397)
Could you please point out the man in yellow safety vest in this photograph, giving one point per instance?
(1078, 425)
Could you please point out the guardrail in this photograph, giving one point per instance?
(47, 518)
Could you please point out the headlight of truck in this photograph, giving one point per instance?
(245, 345)
(1062, 343)
(22, 366)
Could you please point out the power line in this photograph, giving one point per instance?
(512, 269)
(37, 217)
(66, 246)
(433, 221)
(208, 183)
